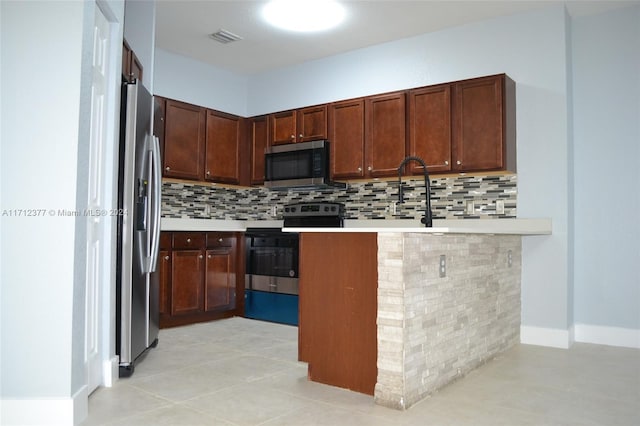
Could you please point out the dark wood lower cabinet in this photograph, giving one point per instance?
(198, 277)
(187, 267)
(220, 281)
(338, 308)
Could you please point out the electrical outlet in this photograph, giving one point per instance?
(510, 258)
(470, 207)
(207, 210)
(443, 266)
(499, 206)
(393, 207)
(274, 210)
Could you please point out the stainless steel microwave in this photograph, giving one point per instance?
(297, 165)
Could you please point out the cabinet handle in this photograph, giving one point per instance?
(200, 257)
(166, 258)
(219, 240)
(300, 135)
(189, 240)
(446, 163)
(209, 256)
(167, 168)
(208, 173)
(369, 168)
(458, 162)
(359, 169)
(293, 136)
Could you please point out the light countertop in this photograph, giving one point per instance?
(440, 226)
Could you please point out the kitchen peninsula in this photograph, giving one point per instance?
(396, 310)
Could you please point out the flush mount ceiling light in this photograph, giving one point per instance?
(304, 15)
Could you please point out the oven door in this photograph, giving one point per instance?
(271, 279)
(272, 269)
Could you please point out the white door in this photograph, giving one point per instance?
(96, 241)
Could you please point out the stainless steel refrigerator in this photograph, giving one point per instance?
(139, 185)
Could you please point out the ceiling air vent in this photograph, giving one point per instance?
(224, 36)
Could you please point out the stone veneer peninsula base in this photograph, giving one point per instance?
(378, 316)
(433, 329)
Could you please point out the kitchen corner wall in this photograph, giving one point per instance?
(363, 200)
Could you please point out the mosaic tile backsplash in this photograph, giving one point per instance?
(452, 197)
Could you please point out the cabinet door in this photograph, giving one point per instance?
(187, 269)
(126, 60)
(283, 128)
(131, 65)
(430, 128)
(159, 118)
(220, 280)
(478, 124)
(259, 135)
(164, 269)
(135, 71)
(222, 158)
(386, 133)
(311, 123)
(338, 309)
(346, 136)
(184, 140)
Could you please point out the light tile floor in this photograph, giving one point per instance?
(244, 372)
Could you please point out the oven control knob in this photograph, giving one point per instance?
(292, 273)
(333, 208)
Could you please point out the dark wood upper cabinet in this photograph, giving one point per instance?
(484, 124)
(184, 143)
(311, 123)
(159, 119)
(283, 128)
(385, 133)
(259, 140)
(131, 65)
(305, 124)
(430, 128)
(222, 157)
(462, 126)
(347, 138)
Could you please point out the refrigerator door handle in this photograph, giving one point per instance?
(157, 193)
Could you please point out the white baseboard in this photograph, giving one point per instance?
(46, 411)
(552, 337)
(110, 371)
(611, 336)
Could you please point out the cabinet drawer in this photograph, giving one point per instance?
(165, 241)
(219, 239)
(188, 240)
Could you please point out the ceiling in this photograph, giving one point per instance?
(183, 27)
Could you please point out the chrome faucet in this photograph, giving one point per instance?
(427, 219)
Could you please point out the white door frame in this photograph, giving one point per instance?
(109, 180)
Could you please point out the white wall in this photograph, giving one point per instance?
(184, 79)
(606, 62)
(531, 49)
(45, 84)
(39, 155)
(139, 31)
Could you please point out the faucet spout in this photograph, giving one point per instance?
(428, 216)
